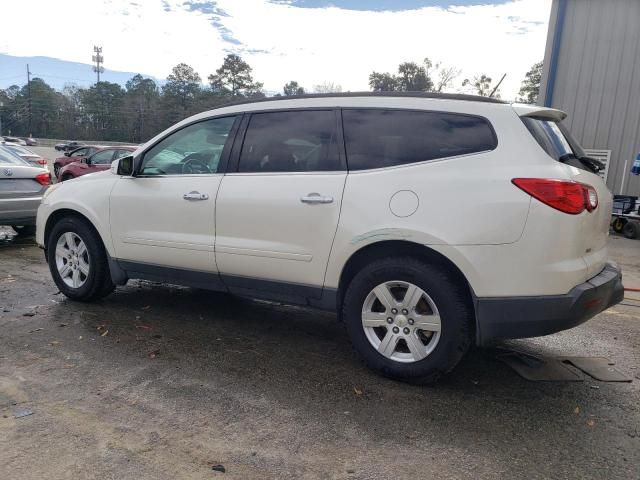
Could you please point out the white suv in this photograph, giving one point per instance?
(427, 221)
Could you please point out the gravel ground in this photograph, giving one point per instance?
(163, 382)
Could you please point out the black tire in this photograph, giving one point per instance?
(98, 282)
(630, 230)
(451, 299)
(56, 169)
(66, 177)
(618, 224)
(25, 230)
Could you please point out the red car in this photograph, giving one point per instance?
(74, 156)
(101, 160)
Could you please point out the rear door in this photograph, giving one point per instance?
(278, 208)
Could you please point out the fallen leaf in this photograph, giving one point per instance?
(218, 468)
(55, 342)
(105, 333)
(357, 390)
(577, 410)
(154, 353)
(591, 423)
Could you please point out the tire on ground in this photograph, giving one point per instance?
(630, 230)
(450, 298)
(98, 283)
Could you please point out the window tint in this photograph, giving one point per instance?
(102, 157)
(81, 152)
(553, 137)
(193, 150)
(384, 138)
(297, 141)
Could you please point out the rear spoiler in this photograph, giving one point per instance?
(524, 110)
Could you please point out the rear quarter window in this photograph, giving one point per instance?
(384, 138)
(553, 137)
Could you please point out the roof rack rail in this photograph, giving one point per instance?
(441, 96)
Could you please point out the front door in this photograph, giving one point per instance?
(277, 212)
(164, 216)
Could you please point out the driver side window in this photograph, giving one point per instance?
(192, 150)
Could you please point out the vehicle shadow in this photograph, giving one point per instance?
(195, 346)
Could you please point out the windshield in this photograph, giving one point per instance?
(554, 138)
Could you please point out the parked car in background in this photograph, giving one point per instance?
(100, 160)
(344, 202)
(21, 189)
(73, 156)
(66, 146)
(30, 141)
(16, 140)
(29, 156)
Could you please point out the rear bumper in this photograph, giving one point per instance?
(19, 211)
(521, 317)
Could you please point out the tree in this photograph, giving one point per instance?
(441, 76)
(480, 85)
(327, 87)
(103, 104)
(292, 88)
(183, 84)
(141, 102)
(530, 86)
(235, 79)
(413, 78)
(383, 82)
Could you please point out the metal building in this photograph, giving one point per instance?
(592, 72)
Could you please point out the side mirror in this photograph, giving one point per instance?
(86, 160)
(123, 166)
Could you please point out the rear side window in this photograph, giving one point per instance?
(554, 138)
(384, 138)
(295, 141)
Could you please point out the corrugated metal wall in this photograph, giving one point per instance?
(598, 79)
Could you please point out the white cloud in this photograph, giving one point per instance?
(283, 42)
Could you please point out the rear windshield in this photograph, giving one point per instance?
(9, 158)
(554, 138)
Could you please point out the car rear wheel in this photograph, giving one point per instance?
(56, 170)
(65, 177)
(409, 320)
(77, 260)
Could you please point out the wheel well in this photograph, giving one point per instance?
(57, 215)
(399, 248)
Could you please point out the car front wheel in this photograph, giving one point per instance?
(409, 320)
(77, 260)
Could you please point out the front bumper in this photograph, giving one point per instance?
(522, 317)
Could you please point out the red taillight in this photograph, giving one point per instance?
(564, 195)
(42, 161)
(43, 179)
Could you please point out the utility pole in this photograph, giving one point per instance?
(1, 105)
(29, 95)
(99, 59)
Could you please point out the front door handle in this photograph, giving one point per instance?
(195, 196)
(316, 198)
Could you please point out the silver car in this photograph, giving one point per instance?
(21, 189)
(29, 156)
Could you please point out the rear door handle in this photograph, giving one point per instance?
(316, 198)
(195, 196)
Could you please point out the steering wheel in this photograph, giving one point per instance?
(192, 164)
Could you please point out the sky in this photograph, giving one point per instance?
(310, 41)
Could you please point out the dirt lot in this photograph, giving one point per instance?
(164, 382)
